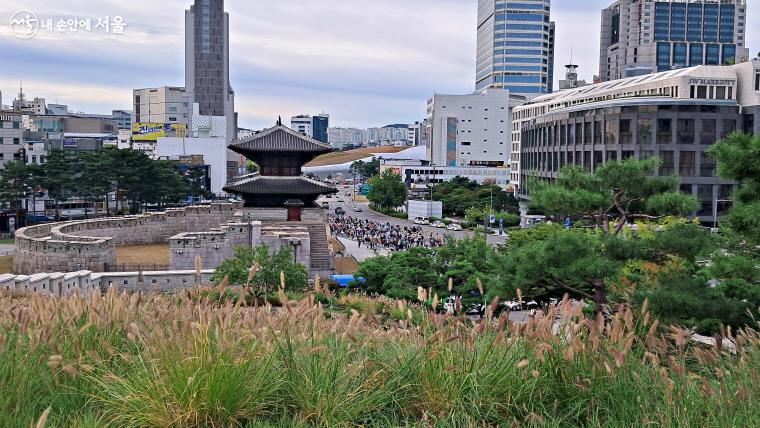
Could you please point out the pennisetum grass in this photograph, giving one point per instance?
(189, 360)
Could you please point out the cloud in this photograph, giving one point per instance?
(366, 62)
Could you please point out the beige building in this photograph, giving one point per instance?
(166, 104)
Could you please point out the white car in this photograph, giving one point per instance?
(454, 226)
(422, 220)
(358, 208)
(438, 224)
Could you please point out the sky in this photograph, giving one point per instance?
(365, 62)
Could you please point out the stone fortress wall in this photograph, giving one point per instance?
(91, 244)
(87, 282)
(216, 246)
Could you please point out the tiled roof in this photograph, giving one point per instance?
(279, 138)
(270, 185)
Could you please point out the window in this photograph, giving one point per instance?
(707, 166)
(708, 135)
(667, 167)
(645, 131)
(686, 164)
(686, 131)
(757, 82)
(664, 131)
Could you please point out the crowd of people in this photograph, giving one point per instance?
(377, 236)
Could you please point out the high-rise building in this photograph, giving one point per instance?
(207, 73)
(469, 130)
(640, 37)
(515, 48)
(207, 76)
(319, 125)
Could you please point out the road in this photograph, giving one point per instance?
(6, 249)
(367, 214)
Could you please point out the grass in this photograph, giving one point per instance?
(6, 264)
(7, 242)
(352, 155)
(146, 255)
(159, 361)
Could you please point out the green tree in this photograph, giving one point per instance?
(388, 191)
(737, 156)
(618, 191)
(17, 181)
(584, 263)
(267, 277)
(59, 177)
(398, 275)
(460, 193)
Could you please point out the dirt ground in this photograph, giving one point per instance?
(6, 264)
(143, 255)
(345, 265)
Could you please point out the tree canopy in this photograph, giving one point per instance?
(91, 176)
(461, 193)
(738, 157)
(618, 191)
(387, 191)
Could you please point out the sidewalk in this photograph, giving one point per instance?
(360, 253)
(6, 250)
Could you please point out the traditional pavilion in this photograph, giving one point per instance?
(280, 153)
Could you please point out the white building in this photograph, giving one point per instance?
(301, 124)
(213, 150)
(469, 130)
(341, 138)
(166, 104)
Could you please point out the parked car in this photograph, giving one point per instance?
(454, 226)
(438, 224)
(422, 220)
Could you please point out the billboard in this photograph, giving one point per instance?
(147, 131)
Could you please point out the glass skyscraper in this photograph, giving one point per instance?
(515, 49)
(646, 36)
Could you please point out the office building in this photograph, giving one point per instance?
(639, 37)
(319, 126)
(315, 127)
(123, 119)
(207, 61)
(166, 104)
(414, 134)
(11, 137)
(674, 115)
(469, 130)
(301, 124)
(515, 47)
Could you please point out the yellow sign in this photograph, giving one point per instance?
(147, 131)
